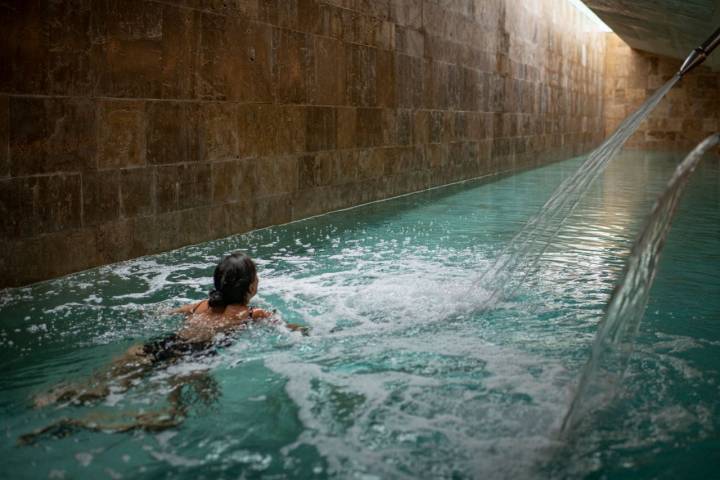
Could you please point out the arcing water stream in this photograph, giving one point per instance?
(614, 340)
(523, 253)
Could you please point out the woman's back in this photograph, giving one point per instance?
(203, 322)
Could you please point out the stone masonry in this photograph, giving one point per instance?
(137, 126)
(688, 114)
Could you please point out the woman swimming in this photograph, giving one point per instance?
(225, 310)
(206, 327)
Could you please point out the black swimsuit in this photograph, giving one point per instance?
(173, 346)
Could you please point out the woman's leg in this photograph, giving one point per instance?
(121, 373)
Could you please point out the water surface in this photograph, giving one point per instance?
(404, 374)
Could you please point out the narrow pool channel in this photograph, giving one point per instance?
(403, 374)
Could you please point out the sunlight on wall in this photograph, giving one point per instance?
(601, 26)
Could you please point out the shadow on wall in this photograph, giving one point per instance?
(128, 128)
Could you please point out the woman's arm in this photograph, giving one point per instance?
(295, 327)
(260, 314)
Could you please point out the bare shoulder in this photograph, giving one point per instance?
(200, 306)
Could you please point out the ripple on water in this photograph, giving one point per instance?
(403, 375)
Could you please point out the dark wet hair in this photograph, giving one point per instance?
(232, 278)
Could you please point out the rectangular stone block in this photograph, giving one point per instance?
(273, 210)
(70, 69)
(309, 17)
(421, 161)
(182, 186)
(281, 13)
(14, 209)
(139, 50)
(55, 201)
(113, 240)
(398, 160)
(346, 127)
(345, 170)
(137, 191)
(291, 129)
(331, 21)
(100, 197)
(435, 85)
(409, 80)
(437, 126)
(180, 40)
(121, 134)
(308, 202)
(172, 135)
(247, 8)
(157, 233)
(454, 86)
(437, 156)
(407, 13)
(276, 175)
(23, 47)
(51, 135)
(12, 271)
(232, 218)
(389, 127)
(317, 170)
(436, 19)
(470, 90)
(233, 181)
(375, 8)
(194, 226)
(127, 50)
(410, 42)
(320, 129)
(350, 28)
(361, 75)
(235, 60)
(498, 95)
(266, 129)
(369, 127)
(421, 127)
(218, 136)
(293, 66)
(370, 163)
(62, 252)
(385, 79)
(329, 86)
(405, 127)
(367, 30)
(4, 137)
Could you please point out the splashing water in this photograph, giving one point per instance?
(520, 258)
(614, 340)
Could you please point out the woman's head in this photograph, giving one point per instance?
(235, 280)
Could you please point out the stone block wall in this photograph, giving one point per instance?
(688, 114)
(129, 127)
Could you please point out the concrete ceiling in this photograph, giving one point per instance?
(665, 27)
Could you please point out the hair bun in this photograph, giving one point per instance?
(215, 299)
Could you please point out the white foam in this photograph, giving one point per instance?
(468, 422)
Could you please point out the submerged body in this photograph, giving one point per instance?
(207, 325)
(198, 335)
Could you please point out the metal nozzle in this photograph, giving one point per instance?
(699, 55)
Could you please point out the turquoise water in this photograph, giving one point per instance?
(403, 375)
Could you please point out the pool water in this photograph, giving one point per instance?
(404, 374)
